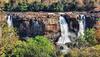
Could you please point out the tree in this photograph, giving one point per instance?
(8, 7)
(58, 7)
(36, 6)
(89, 5)
(23, 7)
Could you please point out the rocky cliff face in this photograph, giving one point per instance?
(48, 22)
(34, 23)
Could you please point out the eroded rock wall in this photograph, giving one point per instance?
(50, 21)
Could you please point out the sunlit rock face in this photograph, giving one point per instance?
(97, 26)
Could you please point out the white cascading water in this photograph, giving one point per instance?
(64, 39)
(81, 25)
(9, 21)
(64, 31)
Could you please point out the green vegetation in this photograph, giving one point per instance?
(7, 7)
(60, 6)
(86, 52)
(8, 40)
(23, 7)
(56, 7)
(90, 36)
(36, 47)
(36, 6)
(89, 39)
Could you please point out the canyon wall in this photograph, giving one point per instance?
(50, 20)
(50, 23)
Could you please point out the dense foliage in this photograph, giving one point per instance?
(22, 7)
(54, 7)
(8, 40)
(36, 47)
(89, 39)
(86, 52)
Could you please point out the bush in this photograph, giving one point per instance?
(89, 39)
(36, 6)
(56, 7)
(23, 7)
(90, 36)
(8, 40)
(35, 47)
(86, 52)
(8, 7)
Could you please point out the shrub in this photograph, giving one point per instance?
(8, 40)
(90, 36)
(74, 52)
(86, 52)
(8, 7)
(57, 7)
(89, 39)
(34, 47)
(36, 6)
(23, 7)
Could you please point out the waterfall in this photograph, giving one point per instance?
(64, 38)
(64, 31)
(81, 25)
(9, 21)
